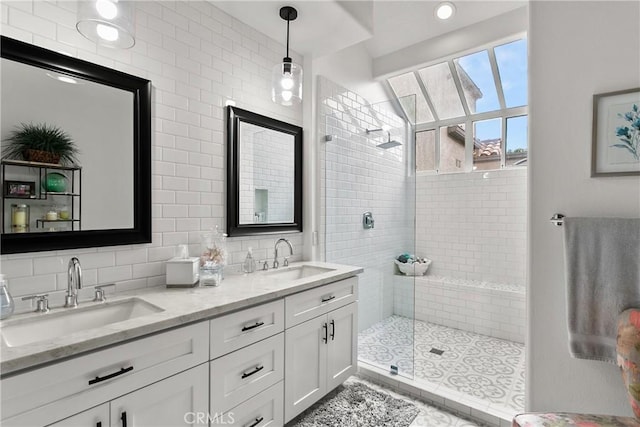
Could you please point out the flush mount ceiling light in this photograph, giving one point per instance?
(286, 83)
(106, 22)
(445, 10)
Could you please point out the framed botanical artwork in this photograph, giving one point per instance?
(615, 149)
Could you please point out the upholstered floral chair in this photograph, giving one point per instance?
(628, 346)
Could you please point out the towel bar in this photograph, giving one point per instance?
(557, 219)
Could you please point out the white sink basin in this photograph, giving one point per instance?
(64, 322)
(296, 272)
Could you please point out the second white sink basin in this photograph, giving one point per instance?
(296, 272)
(64, 322)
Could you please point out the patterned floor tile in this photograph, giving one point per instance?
(480, 366)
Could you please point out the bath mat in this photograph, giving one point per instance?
(356, 405)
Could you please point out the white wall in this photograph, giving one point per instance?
(473, 225)
(352, 67)
(576, 49)
(196, 57)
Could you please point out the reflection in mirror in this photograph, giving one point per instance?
(264, 183)
(105, 199)
(266, 170)
(103, 131)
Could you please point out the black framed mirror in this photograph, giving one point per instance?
(264, 174)
(108, 114)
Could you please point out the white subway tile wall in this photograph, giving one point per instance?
(197, 57)
(486, 308)
(356, 177)
(473, 225)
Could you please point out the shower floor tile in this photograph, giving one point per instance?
(481, 367)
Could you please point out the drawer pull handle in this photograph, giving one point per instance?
(328, 299)
(324, 326)
(256, 422)
(123, 418)
(255, 371)
(333, 330)
(108, 377)
(248, 328)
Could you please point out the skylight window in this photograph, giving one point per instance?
(480, 90)
(406, 85)
(469, 107)
(512, 64)
(442, 91)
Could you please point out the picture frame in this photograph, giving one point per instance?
(20, 189)
(615, 148)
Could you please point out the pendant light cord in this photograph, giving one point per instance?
(288, 20)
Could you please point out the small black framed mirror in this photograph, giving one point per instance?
(264, 174)
(108, 114)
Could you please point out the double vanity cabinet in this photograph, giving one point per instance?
(252, 367)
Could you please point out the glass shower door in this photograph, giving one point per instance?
(368, 196)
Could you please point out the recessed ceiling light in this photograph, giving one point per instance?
(445, 10)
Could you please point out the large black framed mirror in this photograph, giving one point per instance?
(106, 200)
(264, 174)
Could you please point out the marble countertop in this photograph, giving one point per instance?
(180, 306)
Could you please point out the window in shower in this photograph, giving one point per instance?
(441, 88)
(426, 159)
(512, 64)
(452, 148)
(479, 86)
(487, 144)
(516, 143)
(416, 110)
(471, 110)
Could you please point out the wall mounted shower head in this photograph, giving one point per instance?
(389, 143)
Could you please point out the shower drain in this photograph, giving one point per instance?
(436, 351)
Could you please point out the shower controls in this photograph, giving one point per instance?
(367, 220)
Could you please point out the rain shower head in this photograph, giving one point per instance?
(389, 143)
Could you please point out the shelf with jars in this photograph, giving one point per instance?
(40, 197)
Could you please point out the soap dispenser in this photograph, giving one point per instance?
(249, 265)
(6, 302)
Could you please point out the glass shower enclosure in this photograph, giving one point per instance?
(368, 197)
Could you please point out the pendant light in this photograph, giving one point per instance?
(107, 22)
(286, 84)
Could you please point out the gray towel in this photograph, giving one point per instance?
(602, 257)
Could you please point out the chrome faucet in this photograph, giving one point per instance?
(276, 264)
(74, 282)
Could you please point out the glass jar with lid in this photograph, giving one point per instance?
(20, 218)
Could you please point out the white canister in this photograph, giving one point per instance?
(182, 272)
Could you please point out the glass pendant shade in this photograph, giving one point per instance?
(107, 22)
(286, 83)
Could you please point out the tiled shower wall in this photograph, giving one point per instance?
(473, 225)
(358, 177)
(197, 57)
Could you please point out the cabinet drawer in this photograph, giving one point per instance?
(263, 410)
(315, 302)
(242, 374)
(85, 381)
(237, 330)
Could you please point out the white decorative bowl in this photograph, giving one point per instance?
(413, 269)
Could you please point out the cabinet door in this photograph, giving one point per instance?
(342, 358)
(305, 370)
(94, 417)
(180, 400)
